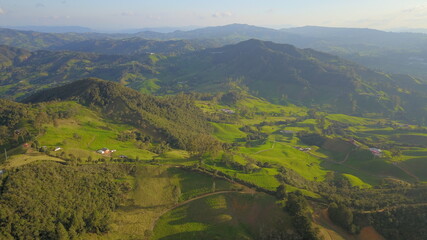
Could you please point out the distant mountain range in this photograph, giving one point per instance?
(130, 46)
(384, 51)
(283, 73)
(53, 29)
(280, 73)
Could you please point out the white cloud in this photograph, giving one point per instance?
(222, 14)
(415, 17)
(2, 11)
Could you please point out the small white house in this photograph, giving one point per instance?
(57, 149)
(376, 152)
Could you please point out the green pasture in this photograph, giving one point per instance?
(223, 216)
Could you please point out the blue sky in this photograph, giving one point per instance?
(123, 14)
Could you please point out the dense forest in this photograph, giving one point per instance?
(54, 201)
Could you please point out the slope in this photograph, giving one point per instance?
(283, 73)
(173, 119)
(24, 72)
(134, 45)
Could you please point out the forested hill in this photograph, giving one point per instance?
(280, 73)
(35, 40)
(136, 45)
(174, 119)
(283, 73)
(11, 55)
(23, 72)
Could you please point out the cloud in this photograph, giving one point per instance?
(415, 17)
(222, 14)
(2, 11)
(40, 5)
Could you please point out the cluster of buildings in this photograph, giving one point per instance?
(105, 151)
(302, 149)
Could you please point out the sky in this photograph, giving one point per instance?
(126, 14)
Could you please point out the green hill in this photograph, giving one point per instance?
(283, 73)
(25, 72)
(134, 45)
(173, 119)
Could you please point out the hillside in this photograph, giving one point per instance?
(31, 40)
(11, 55)
(174, 119)
(315, 155)
(386, 51)
(279, 72)
(130, 46)
(25, 72)
(283, 73)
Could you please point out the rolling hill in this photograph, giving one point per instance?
(283, 73)
(386, 51)
(135, 45)
(25, 72)
(172, 119)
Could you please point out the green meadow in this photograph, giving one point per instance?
(223, 216)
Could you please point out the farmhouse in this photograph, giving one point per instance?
(229, 111)
(105, 151)
(57, 149)
(376, 152)
(303, 149)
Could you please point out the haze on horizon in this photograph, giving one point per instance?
(125, 14)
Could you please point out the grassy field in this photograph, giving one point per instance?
(285, 155)
(85, 133)
(355, 181)
(227, 132)
(29, 157)
(223, 216)
(155, 190)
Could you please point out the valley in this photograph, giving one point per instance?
(253, 140)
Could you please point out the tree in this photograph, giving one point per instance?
(61, 232)
(396, 153)
(342, 216)
(281, 191)
(203, 144)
